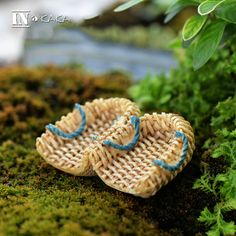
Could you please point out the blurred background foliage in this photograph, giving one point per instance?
(138, 36)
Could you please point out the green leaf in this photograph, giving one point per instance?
(204, 183)
(218, 152)
(164, 99)
(228, 228)
(193, 26)
(230, 205)
(214, 231)
(176, 7)
(225, 149)
(233, 134)
(145, 100)
(220, 178)
(175, 43)
(207, 43)
(227, 11)
(228, 189)
(127, 5)
(208, 6)
(207, 217)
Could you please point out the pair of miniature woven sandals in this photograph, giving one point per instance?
(136, 155)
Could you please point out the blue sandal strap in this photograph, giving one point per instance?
(175, 167)
(135, 121)
(74, 134)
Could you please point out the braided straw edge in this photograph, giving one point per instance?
(148, 185)
(85, 168)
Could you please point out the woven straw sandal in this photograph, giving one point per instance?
(141, 156)
(66, 145)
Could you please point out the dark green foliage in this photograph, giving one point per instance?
(222, 185)
(204, 31)
(193, 94)
(218, 225)
(196, 96)
(206, 37)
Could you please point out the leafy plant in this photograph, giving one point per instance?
(216, 221)
(222, 185)
(213, 24)
(192, 94)
(196, 96)
(207, 43)
(127, 5)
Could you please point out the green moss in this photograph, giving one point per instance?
(37, 199)
(31, 98)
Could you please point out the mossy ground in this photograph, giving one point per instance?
(37, 199)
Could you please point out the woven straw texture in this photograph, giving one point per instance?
(72, 155)
(134, 171)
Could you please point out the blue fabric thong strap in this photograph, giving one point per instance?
(135, 121)
(74, 134)
(175, 167)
